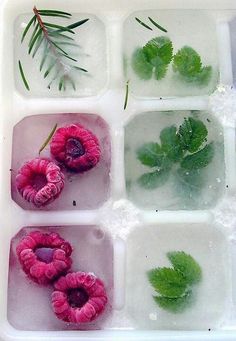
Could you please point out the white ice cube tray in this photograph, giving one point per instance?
(209, 235)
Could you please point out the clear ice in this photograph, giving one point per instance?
(147, 248)
(173, 195)
(90, 53)
(184, 28)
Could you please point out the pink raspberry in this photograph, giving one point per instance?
(40, 181)
(76, 147)
(44, 256)
(79, 297)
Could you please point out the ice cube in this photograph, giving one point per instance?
(90, 53)
(184, 28)
(147, 248)
(180, 188)
(79, 191)
(92, 252)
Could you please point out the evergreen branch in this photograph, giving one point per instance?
(55, 39)
(23, 76)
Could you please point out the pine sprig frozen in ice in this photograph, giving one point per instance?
(54, 42)
(174, 286)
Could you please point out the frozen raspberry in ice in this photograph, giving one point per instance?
(79, 297)
(44, 256)
(40, 181)
(76, 147)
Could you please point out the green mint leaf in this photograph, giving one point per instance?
(192, 134)
(155, 179)
(140, 65)
(175, 305)
(187, 62)
(160, 71)
(159, 51)
(155, 56)
(185, 264)
(204, 76)
(150, 154)
(200, 159)
(171, 144)
(167, 282)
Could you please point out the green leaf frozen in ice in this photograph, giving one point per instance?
(155, 179)
(174, 286)
(186, 265)
(192, 134)
(151, 155)
(200, 159)
(175, 305)
(170, 143)
(153, 58)
(158, 51)
(167, 282)
(187, 63)
(140, 65)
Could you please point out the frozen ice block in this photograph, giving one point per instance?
(92, 252)
(181, 185)
(79, 191)
(184, 28)
(90, 54)
(147, 249)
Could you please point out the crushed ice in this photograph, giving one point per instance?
(222, 104)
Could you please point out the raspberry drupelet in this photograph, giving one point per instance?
(44, 256)
(79, 297)
(40, 181)
(76, 147)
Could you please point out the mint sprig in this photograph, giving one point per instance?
(174, 286)
(187, 63)
(186, 147)
(153, 59)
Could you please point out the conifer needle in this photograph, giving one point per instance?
(48, 139)
(23, 76)
(143, 24)
(126, 95)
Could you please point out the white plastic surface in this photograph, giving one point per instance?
(118, 216)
